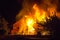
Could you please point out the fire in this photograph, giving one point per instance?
(40, 15)
(28, 24)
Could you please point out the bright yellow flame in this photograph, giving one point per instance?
(30, 23)
(39, 14)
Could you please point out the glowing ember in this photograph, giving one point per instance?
(45, 33)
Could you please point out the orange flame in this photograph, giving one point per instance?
(28, 24)
(39, 14)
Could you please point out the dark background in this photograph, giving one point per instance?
(9, 9)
